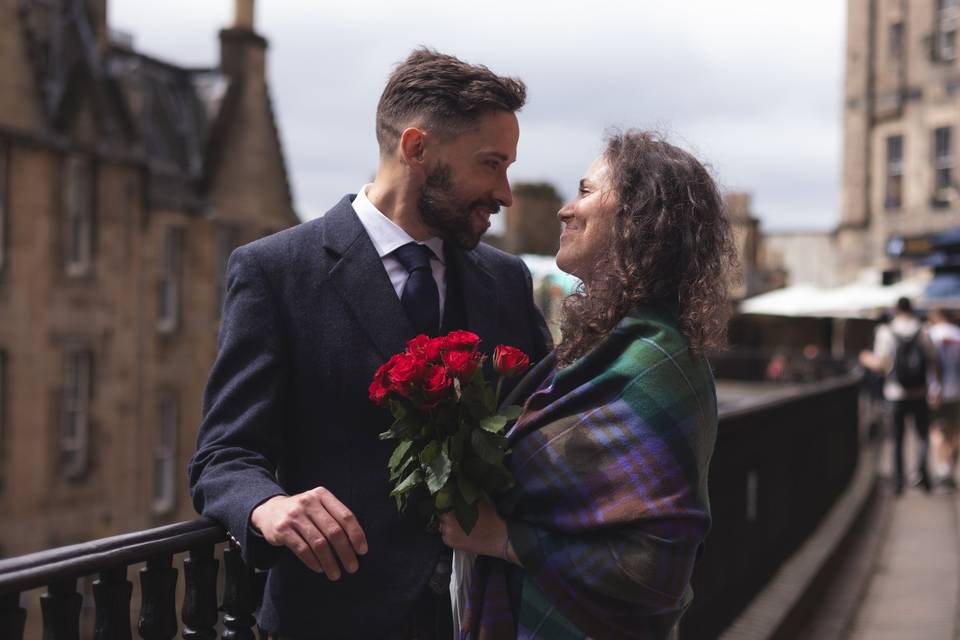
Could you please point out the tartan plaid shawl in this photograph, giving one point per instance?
(610, 507)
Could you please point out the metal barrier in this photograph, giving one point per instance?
(109, 559)
(777, 468)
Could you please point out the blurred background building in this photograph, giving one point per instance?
(901, 125)
(125, 182)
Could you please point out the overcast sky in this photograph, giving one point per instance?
(752, 87)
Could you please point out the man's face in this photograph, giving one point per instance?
(467, 181)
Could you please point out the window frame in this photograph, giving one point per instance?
(76, 401)
(169, 283)
(893, 173)
(164, 459)
(946, 32)
(79, 216)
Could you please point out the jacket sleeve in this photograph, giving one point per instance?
(239, 441)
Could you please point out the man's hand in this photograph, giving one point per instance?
(314, 525)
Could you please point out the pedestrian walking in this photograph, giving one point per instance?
(905, 355)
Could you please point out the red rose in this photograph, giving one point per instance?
(378, 392)
(427, 347)
(407, 371)
(417, 345)
(380, 387)
(461, 341)
(509, 361)
(462, 364)
(436, 385)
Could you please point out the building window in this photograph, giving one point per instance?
(4, 197)
(168, 291)
(894, 188)
(896, 40)
(78, 244)
(943, 164)
(165, 455)
(75, 421)
(948, 17)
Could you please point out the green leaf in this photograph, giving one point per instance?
(493, 424)
(444, 499)
(403, 468)
(398, 409)
(408, 483)
(457, 444)
(399, 453)
(429, 452)
(387, 435)
(512, 412)
(489, 400)
(489, 446)
(466, 514)
(468, 489)
(500, 479)
(438, 470)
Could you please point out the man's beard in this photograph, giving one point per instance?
(448, 215)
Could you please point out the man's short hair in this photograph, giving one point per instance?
(442, 94)
(904, 305)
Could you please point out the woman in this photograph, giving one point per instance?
(600, 534)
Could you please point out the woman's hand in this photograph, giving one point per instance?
(488, 538)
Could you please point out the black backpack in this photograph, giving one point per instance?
(910, 363)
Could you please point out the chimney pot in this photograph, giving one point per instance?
(243, 18)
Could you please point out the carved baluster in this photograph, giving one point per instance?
(12, 616)
(199, 612)
(238, 603)
(111, 594)
(158, 607)
(60, 607)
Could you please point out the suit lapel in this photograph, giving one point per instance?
(359, 277)
(477, 287)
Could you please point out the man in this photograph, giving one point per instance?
(288, 453)
(946, 338)
(902, 351)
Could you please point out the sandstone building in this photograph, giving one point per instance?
(125, 182)
(901, 130)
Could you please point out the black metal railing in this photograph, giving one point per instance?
(778, 467)
(109, 559)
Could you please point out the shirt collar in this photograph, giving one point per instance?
(384, 233)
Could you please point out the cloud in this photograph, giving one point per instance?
(751, 86)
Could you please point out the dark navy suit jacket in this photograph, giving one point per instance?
(309, 315)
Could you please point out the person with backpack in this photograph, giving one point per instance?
(905, 355)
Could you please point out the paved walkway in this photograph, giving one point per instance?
(914, 590)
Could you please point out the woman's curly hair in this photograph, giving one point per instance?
(671, 245)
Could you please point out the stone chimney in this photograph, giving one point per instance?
(242, 50)
(97, 13)
(243, 15)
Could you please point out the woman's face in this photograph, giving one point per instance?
(587, 222)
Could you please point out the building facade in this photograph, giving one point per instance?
(901, 130)
(125, 182)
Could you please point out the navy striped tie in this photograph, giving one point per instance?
(420, 298)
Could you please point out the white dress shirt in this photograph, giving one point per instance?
(387, 237)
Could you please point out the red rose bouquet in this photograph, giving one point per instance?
(446, 422)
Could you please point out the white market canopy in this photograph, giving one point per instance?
(859, 299)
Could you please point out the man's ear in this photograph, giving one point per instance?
(412, 146)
